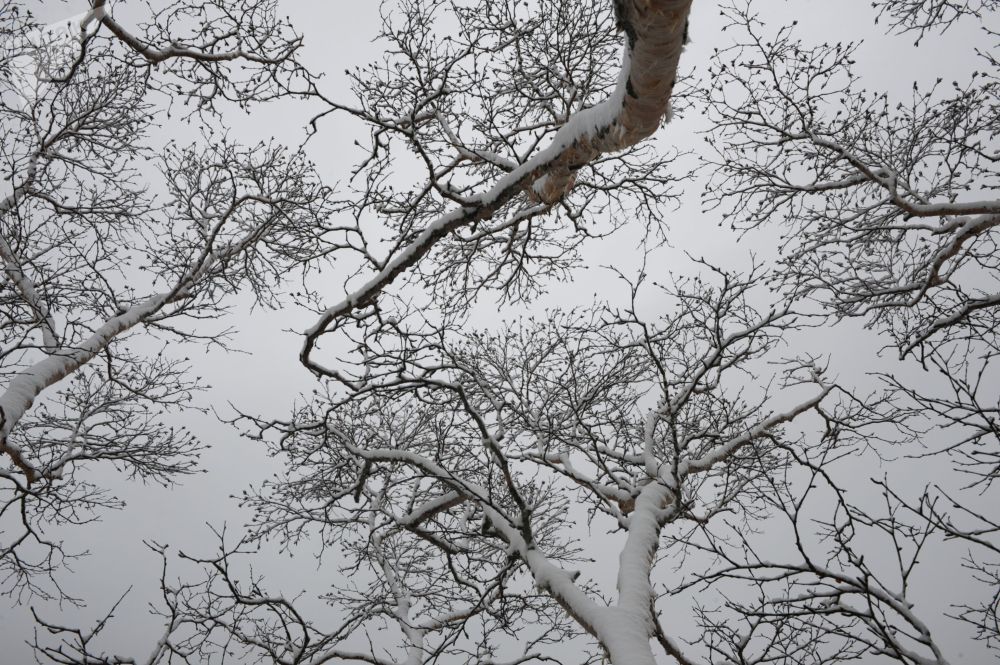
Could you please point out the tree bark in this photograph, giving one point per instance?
(656, 31)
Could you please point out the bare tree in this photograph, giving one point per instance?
(528, 134)
(491, 496)
(859, 184)
(921, 16)
(891, 217)
(456, 475)
(464, 482)
(104, 264)
(888, 201)
(95, 252)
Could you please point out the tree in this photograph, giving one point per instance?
(459, 478)
(472, 450)
(448, 478)
(884, 199)
(503, 114)
(867, 175)
(463, 477)
(102, 262)
(892, 216)
(87, 88)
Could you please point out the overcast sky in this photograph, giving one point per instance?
(267, 379)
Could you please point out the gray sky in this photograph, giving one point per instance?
(268, 377)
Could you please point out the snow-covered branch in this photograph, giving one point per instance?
(581, 131)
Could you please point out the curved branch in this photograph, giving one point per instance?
(656, 32)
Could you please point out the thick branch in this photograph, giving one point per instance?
(656, 31)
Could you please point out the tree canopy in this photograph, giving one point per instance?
(780, 453)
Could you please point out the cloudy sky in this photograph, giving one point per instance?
(267, 378)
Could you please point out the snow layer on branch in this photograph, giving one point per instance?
(637, 106)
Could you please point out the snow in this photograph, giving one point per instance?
(726, 450)
(587, 122)
(26, 287)
(28, 384)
